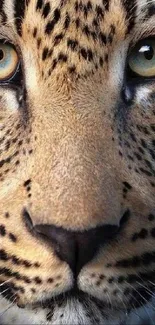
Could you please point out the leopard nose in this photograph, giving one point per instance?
(76, 248)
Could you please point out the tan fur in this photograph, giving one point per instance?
(68, 152)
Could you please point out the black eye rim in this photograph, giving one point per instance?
(131, 75)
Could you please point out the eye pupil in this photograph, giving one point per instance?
(149, 53)
(1, 55)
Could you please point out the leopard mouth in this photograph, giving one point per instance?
(10, 292)
(77, 296)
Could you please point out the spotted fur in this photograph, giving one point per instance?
(77, 153)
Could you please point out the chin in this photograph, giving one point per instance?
(69, 308)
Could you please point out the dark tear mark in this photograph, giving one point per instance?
(2, 13)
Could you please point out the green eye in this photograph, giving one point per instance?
(8, 61)
(142, 58)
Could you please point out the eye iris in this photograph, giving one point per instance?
(142, 59)
(8, 61)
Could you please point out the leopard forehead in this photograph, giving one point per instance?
(76, 155)
(74, 38)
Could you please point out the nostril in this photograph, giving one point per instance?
(27, 220)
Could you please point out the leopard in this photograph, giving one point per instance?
(77, 162)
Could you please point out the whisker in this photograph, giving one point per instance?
(121, 291)
(7, 281)
(135, 312)
(1, 293)
(146, 301)
(147, 289)
(152, 283)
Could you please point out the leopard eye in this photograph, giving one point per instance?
(141, 60)
(9, 61)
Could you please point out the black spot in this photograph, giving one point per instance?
(38, 42)
(127, 291)
(144, 145)
(72, 69)
(106, 4)
(45, 53)
(138, 156)
(35, 32)
(132, 278)
(7, 215)
(90, 55)
(37, 280)
(26, 279)
(37, 265)
(89, 6)
(27, 183)
(72, 44)
(140, 235)
(130, 8)
(111, 280)
(77, 23)
(20, 143)
(50, 280)
(150, 11)
(121, 279)
(103, 38)
(39, 4)
(101, 61)
(12, 237)
(19, 13)
(2, 12)
(127, 185)
(99, 12)
(93, 275)
(27, 264)
(84, 53)
(58, 38)
(46, 10)
(2, 231)
(54, 64)
(76, 6)
(153, 232)
(67, 21)
(16, 260)
(146, 172)
(148, 258)
(49, 316)
(50, 25)
(62, 57)
(3, 255)
(151, 217)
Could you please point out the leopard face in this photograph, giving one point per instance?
(77, 160)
